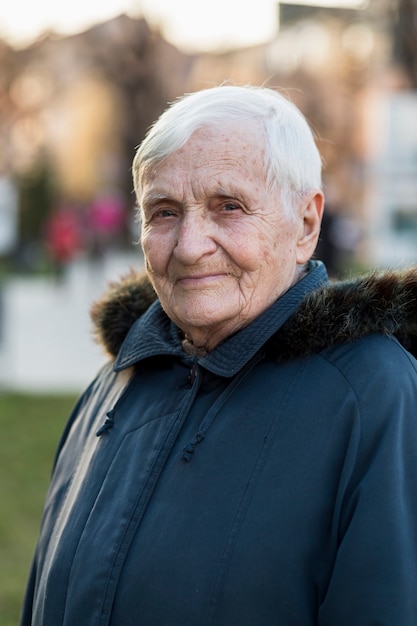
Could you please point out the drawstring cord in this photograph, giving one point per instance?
(188, 450)
(109, 423)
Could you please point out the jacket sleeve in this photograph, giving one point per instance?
(374, 578)
(26, 613)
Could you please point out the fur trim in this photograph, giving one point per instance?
(338, 312)
(119, 308)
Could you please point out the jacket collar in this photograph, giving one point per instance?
(154, 334)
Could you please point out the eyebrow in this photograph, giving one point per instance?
(232, 191)
(150, 199)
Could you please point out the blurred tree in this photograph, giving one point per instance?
(145, 72)
(35, 191)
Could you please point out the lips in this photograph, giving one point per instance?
(199, 280)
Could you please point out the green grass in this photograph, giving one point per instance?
(30, 426)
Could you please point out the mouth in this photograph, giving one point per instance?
(200, 280)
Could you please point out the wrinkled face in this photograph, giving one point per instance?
(217, 244)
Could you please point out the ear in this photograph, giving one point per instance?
(311, 213)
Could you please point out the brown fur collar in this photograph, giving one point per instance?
(339, 312)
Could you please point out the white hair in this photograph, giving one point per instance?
(292, 160)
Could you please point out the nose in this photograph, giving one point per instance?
(195, 238)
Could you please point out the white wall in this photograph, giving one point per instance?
(46, 341)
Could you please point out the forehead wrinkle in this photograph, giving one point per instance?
(218, 187)
(162, 188)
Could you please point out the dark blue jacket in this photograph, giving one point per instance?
(272, 482)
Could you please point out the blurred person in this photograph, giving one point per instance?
(63, 235)
(248, 455)
(106, 220)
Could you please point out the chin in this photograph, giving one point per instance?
(208, 318)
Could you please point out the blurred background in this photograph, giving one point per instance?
(80, 84)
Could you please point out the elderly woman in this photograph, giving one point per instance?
(248, 457)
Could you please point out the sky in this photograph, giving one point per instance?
(192, 25)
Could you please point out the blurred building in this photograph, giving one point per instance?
(392, 179)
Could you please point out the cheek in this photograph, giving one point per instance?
(278, 253)
(155, 253)
(272, 246)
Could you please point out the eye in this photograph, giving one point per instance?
(165, 212)
(159, 208)
(231, 206)
(161, 213)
